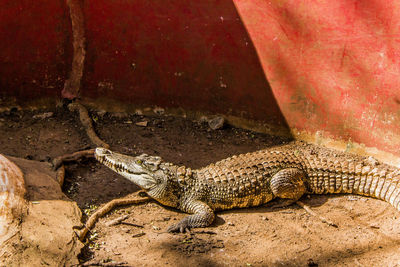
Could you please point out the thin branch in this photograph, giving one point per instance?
(313, 213)
(135, 199)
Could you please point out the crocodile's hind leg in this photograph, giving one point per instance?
(288, 184)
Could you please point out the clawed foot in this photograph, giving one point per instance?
(179, 227)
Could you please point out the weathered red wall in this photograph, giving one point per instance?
(327, 66)
(191, 54)
(35, 48)
(334, 66)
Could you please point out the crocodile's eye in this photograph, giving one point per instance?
(139, 161)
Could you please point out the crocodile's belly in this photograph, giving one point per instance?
(229, 201)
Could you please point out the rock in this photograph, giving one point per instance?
(216, 123)
(138, 112)
(43, 235)
(159, 111)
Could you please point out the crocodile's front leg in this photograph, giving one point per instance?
(202, 216)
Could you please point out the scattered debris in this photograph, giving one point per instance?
(159, 111)
(374, 226)
(313, 213)
(43, 115)
(101, 113)
(132, 224)
(191, 244)
(139, 234)
(138, 112)
(119, 115)
(205, 232)
(142, 123)
(156, 228)
(106, 263)
(216, 123)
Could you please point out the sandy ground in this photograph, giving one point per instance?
(368, 232)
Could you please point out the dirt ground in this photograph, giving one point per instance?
(368, 232)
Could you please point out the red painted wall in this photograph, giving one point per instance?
(322, 66)
(334, 66)
(35, 48)
(191, 54)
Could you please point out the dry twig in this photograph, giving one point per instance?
(132, 224)
(139, 234)
(135, 199)
(313, 213)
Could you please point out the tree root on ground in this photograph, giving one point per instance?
(57, 162)
(87, 124)
(135, 198)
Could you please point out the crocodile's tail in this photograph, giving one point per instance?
(386, 188)
(379, 181)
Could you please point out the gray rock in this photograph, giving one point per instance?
(216, 123)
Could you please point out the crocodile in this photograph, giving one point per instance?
(286, 171)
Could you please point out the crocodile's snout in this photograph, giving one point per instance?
(100, 151)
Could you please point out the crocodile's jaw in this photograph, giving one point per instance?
(140, 170)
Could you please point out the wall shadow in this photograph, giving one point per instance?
(197, 56)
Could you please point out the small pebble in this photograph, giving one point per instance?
(159, 111)
(216, 123)
(142, 123)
